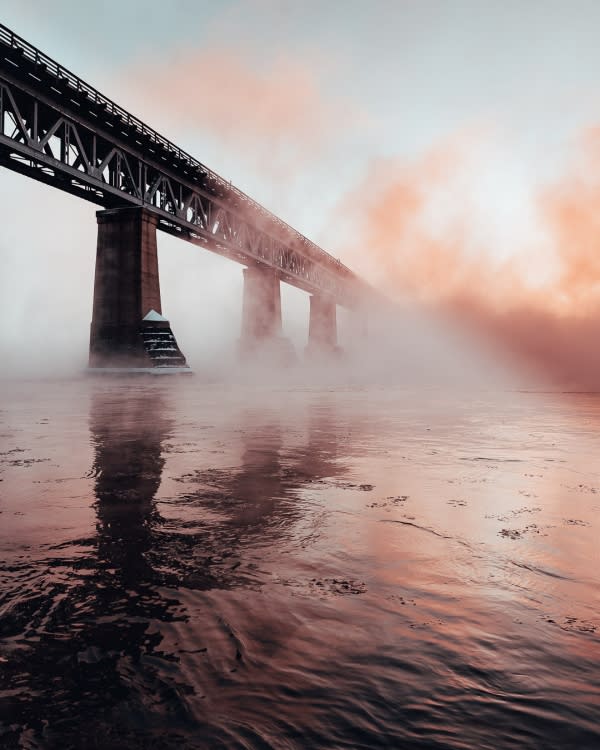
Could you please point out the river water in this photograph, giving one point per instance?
(199, 565)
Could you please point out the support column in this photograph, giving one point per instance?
(261, 316)
(261, 313)
(322, 329)
(127, 323)
(360, 330)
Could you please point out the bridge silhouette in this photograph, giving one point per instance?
(57, 129)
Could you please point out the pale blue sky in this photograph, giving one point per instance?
(421, 69)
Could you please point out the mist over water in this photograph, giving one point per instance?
(196, 564)
(47, 290)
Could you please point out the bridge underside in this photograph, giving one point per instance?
(58, 130)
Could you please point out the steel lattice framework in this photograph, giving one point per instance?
(57, 129)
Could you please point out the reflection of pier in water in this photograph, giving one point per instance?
(256, 502)
(95, 642)
(127, 431)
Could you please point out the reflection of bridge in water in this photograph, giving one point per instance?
(58, 130)
(125, 581)
(260, 494)
(254, 498)
(222, 510)
(254, 493)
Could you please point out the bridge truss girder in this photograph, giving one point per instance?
(84, 151)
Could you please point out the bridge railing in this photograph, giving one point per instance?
(10, 39)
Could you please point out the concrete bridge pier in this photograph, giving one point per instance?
(360, 322)
(128, 331)
(262, 337)
(322, 329)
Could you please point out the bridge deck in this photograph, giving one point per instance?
(60, 130)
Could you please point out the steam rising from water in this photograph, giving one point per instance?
(538, 304)
(46, 290)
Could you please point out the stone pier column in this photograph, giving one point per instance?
(322, 329)
(362, 325)
(261, 316)
(261, 313)
(126, 290)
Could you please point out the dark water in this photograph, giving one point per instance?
(201, 566)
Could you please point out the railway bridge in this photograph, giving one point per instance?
(57, 129)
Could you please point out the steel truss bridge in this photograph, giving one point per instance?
(59, 130)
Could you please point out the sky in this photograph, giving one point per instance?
(445, 150)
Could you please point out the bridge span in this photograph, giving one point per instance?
(59, 130)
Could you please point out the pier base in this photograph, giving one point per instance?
(128, 330)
